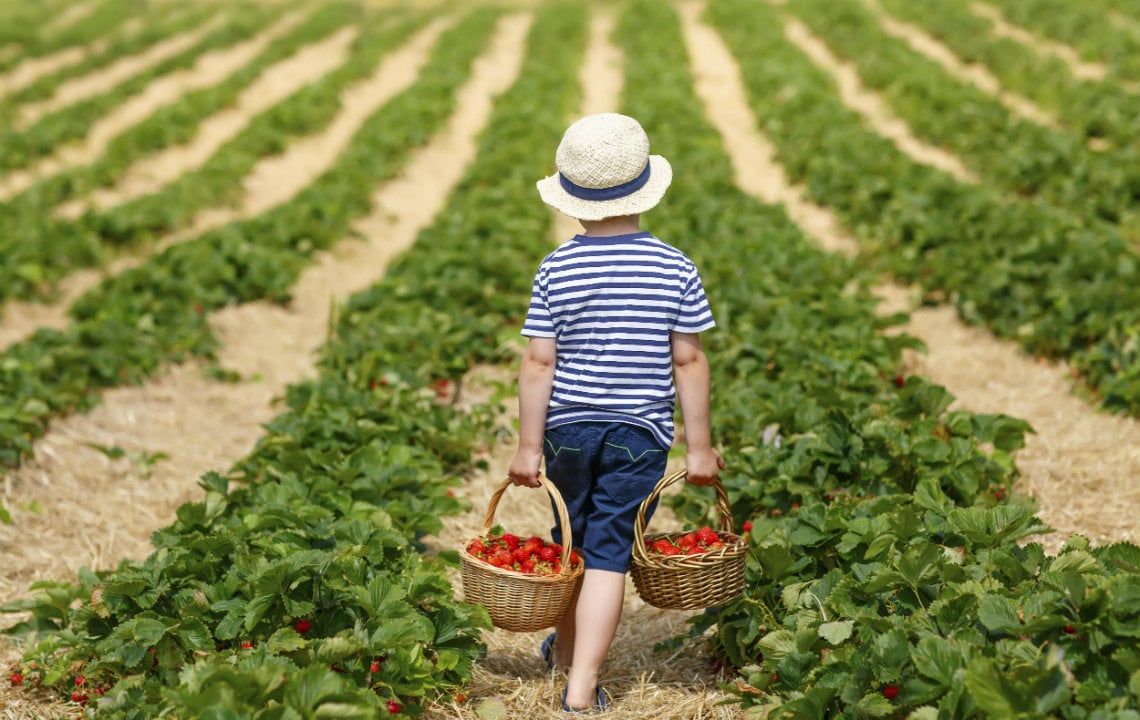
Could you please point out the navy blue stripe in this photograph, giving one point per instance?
(609, 193)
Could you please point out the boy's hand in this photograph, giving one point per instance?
(523, 469)
(703, 466)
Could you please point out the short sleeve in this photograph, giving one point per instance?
(695, 314)
(538, 321)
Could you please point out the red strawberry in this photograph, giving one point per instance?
(79, 680)
(900, 381)
(890, 692)
(574, 558)
(246, 644)
(1070, 630)
(520, 555)
(512, 541)
(747, 526)
(16, 679)
(661, 545)
(547, 554)
(477, 547)
(460, 697)
(687, 541)
(394, 707)
(302, 626)
(374, 667)
(707, 535)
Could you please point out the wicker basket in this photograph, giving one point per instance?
(688, 582)
(518, 602)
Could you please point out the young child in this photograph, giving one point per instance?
(613, 341)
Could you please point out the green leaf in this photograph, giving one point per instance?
(836, 632)
(998, 613)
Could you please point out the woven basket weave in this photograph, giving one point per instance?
(518, 602)
(688, 582)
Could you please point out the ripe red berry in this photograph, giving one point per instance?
(1070, 629)
(460, 697)
(890, 692)
(374, 667)
(747, 526)
(246, 644)
(16, 679)
(79, 680)
(900, 381)
(302, 626)
(394, 707)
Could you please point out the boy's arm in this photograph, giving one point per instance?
(536, 381)
(691, 374)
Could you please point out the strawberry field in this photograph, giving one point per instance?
(263, 271)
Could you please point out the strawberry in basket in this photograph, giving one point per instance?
(529, 556)
(692, 543)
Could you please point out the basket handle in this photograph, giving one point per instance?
(723, 506)
(560, 507)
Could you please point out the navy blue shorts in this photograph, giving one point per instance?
(604, 471)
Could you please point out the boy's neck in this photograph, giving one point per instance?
(621, 225)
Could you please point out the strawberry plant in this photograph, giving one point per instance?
(884, 577)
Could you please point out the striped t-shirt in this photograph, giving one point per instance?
(610, 303)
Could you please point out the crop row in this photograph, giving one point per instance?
(39, 247)
(1087, 26)
(1017, 156)
(1060, 286)
(23, 23)
(21, 147)
(357, 467)
(1092, 108)
(125, 39)
(886, 576)
(135, 322)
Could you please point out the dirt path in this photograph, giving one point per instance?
(870, 107)
(300, 164)
(98, 82)
(209, 69)
(276, 83)
(512, 680)
(977, 75)
(1002, 28)
(205, 425)
(31, 70)
(71, 16)
(1081, 464)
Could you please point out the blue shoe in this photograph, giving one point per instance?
(599, 705)
(548, 651)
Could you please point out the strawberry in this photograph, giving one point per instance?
(671, 550)
(374, 667)
(527, 567)
(533, 545)
(16, 679)
(79, 680)
(520, 555)
(547, 554)
(687, 541)
(747, 526)
(890, 692)
(460, 697)
(477, 547)
(302, 626)
(394, 707)
(511, 541)
(662, 545)
(707, 535)
(1070, 630)
(574, 558)
(246, 644)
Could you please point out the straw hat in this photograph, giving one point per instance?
(605, 170)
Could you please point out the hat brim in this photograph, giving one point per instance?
(643, 199)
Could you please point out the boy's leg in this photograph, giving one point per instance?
(598, 613)
(629, 464)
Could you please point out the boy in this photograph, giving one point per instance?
(613, 340)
